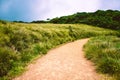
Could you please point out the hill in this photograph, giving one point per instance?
(106, 19)
(20, 43)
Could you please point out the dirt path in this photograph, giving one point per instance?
(63, 63)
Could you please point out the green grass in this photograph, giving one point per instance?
(21, 43)
(104, 51)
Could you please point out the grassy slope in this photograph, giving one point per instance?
(20, 43)
(104, 51)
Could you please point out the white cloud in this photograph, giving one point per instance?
(29, 10)
(43, 9)
(66, 7)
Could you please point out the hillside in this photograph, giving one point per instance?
(106, 19)
(21, 43)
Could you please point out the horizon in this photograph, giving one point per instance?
(43, 9)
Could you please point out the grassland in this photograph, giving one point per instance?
(21, 43)
(104, 51)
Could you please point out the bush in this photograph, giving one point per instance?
(109, 65)
(7, 58)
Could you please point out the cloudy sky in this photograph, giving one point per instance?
(29, 10)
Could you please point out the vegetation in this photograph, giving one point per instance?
(104, 51)
(107, 19)
(20, 42)
(40, 21)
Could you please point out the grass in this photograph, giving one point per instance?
(21, 43)
(104, 51)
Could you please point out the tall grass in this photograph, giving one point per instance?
(20, 43)
(104, 51)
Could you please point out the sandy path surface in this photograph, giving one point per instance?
(66, 62)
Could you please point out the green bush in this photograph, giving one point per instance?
(7, 58)
(109, 65)
(3, 22)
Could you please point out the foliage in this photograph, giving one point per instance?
(107, 19)
(104, 51)
(19, 22)
(3, 21)
(42, 21)
(20, 42)
(7, 57)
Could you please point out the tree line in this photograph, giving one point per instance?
(106, 19)
(102, 18)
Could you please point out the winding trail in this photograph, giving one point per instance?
(66, 62)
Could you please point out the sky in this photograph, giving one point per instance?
(30, 10)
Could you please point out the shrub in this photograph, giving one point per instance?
(7, 58)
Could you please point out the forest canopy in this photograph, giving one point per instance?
(106, 19)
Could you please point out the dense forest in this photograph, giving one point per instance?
(106, 19)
